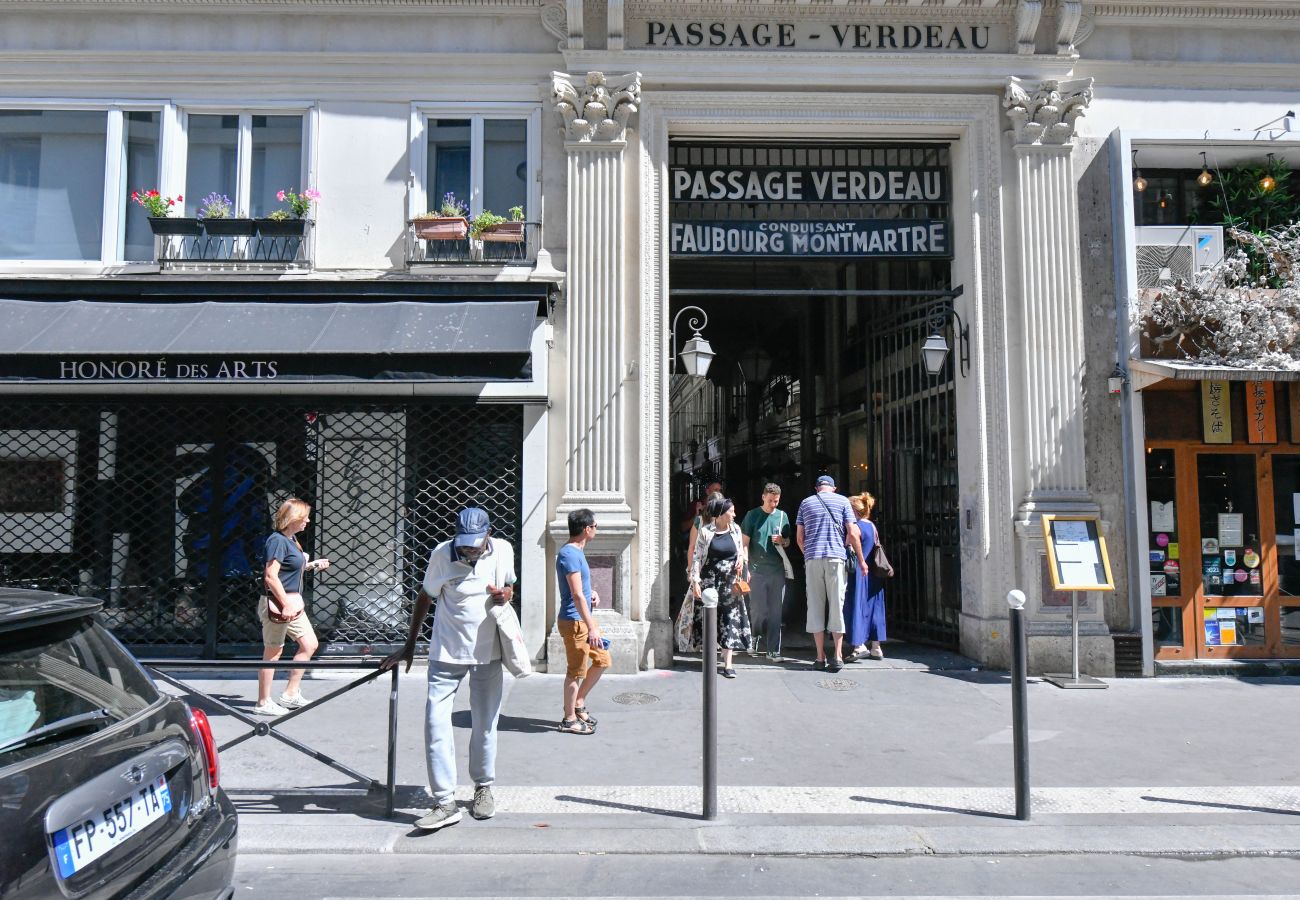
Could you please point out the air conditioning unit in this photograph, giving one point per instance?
(1170, 253)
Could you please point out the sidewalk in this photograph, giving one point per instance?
(911, 755)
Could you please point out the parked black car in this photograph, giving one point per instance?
(108, 787)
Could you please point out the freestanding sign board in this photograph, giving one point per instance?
(1077, 561)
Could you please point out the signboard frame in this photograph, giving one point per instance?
(1092, 525)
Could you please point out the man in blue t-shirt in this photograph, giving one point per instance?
(824, 526)
(585, 649)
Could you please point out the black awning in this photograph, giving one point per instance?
(94, 340)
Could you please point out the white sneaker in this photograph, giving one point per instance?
(269, 708)
(292, 701)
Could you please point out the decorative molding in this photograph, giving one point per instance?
(1248, 10)
(990, 12)
(1048, 115)
(614, 24)
(599, 110)
(1068, 15)
(555, 20)
(280, 6)
(1028, 15)
(576, 33)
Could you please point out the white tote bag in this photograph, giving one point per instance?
(514, 653)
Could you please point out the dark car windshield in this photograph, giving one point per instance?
(61, 682)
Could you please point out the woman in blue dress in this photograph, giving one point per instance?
(864, 598)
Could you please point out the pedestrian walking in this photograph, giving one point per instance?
(712, 492)
(717, 561)
(823, 528)
(468, 575)
(281, 609)
(864, 601)
(586, 650)
(766, 531)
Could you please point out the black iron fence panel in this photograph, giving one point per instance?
(915, 449)
(162, 508)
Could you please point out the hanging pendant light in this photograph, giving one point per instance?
(1206, 177)
(1139, 183)
(1268, 182)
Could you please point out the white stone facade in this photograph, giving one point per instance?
(1041, 101)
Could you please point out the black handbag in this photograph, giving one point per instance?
(877, 562)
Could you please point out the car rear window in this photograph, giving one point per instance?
(60, 682)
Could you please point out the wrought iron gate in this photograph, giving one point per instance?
(138, 502)
(915, 451)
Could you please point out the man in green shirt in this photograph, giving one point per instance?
(766, 532)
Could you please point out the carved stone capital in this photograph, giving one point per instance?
(595, 109)
(1048, 114)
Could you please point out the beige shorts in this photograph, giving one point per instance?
(274, 633)
(578, 653)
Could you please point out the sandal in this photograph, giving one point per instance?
(581, 713)
(575, 726)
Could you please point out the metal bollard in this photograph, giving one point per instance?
(1019, 703)
(709, 663)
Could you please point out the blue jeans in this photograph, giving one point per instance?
(766, 593)
(486, 690)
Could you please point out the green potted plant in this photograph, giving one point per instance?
(489, 227)
(449, 222)
(217, 214)
(291, 222)
(159, 210)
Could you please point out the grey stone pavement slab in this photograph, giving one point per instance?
(910, 756)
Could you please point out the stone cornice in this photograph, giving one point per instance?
(493, 7)
(595, 109)
(983, 12)
(1047, 115)
(1153, 12)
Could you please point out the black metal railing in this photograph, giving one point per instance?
(261, 727)
(234, 244)
(515, 245)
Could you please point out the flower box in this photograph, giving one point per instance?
(506, 232)
(228, 227)
(442, 228)
(273, 228)
(168, 226)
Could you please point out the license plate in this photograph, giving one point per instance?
(81, 843)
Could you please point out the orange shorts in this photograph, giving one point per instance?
(578, 652)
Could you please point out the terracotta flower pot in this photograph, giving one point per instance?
(442, 228)
(506, 232)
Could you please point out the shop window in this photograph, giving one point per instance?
(1291, 626)
(1233, 626)
(486, 159)
(1167, 626)
(1229, 517)
(1163, 547)
(52, 186)
(1173, 197)
(1286, 512)
(246, 158)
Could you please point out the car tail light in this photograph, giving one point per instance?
(203, 733)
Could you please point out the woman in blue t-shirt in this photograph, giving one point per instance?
(281, 609)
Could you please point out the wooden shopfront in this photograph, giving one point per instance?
(1223, 515)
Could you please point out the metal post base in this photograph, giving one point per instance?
(1070, 682)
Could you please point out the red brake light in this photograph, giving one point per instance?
(203, 731)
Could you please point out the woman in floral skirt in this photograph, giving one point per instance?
(717, 560)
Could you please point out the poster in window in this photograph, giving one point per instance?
(1162, 516)
(1231, 529)
(1159, 585)
(1211, 628)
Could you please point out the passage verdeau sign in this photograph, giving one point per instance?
(841, 36)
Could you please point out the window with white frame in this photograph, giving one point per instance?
(247, 158)
(487, 157)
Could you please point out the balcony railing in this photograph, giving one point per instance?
(233, 245)
(517, 246)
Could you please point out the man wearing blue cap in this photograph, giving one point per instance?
(468, 574)
(824, 526)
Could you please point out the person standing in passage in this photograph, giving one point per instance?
(718, 559)
(468, 574)
(765, 530)
(864, 602)
(586, 650)
(281, 609)
(823, 527)
(712, 492)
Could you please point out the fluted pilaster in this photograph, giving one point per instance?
(1043, 121)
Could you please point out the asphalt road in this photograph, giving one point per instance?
(389, 876)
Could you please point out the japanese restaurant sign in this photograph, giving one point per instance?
(1216, 412)
(1261, 415)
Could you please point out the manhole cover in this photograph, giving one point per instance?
(837, 684)
(635, 698)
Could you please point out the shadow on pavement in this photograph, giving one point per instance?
(628, 807)
(462, 719)
(1235, 807)
(934, 808)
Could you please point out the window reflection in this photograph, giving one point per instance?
(212, 160)
(448, 160)
(1229, 517)
(1164, 551)
(1286, 496)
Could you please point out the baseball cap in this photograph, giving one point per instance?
(825, 479)
(471, 527)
